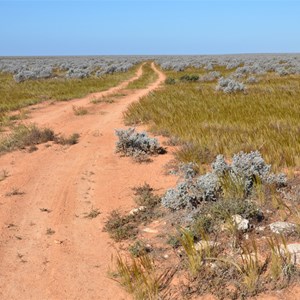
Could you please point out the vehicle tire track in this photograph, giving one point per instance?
(61, 254)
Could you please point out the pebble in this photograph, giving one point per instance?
(149, 230)
(136, 210)
(282, 227)
(242, 224)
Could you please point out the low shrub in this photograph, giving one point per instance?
(144, 196)
(71, 140)
(252, 80)
(189, 78)
(79, 111)
(228, 85)
(24, 75)
(170, 80)
(211, 76)
(24, 136)
(94, 212)
(137, 145)
(236, 180)
(125, 226)
(119, 227)
(138, 249)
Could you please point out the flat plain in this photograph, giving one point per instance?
(150, 177)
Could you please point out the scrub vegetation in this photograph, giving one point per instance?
(15, 95)
(230, 224)
(261, 116)
(229, 227)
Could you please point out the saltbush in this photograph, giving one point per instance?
(137, 144)
(69, 67)
(228, 85)
(211, 76)
(252, 80)
(245, 170)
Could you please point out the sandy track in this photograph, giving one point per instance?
(72, 262)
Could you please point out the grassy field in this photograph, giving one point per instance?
(265, 118)
(216, 252)
(17, 95)
(147, 78)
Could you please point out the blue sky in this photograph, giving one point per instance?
(148, 27)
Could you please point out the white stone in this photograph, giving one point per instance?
(260, 228)
(149, 230)
(242, 224)
(136, 210)
(213, 265)
(282, 227)
(294, 250)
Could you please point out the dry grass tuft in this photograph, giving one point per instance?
(147, 78)
(140, 277)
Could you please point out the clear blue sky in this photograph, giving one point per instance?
(148, 27)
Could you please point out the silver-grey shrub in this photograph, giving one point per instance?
(281, 71)
(32, 68)
(211, 76)
(191, 192)
(77, 74)
(228, 85)
(24, 75)
(252, 80)
(136, 144)
(188, 170)
(247, 168)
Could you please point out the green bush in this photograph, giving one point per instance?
(189, 78)
(170, 80)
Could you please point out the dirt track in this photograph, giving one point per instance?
(71, 263)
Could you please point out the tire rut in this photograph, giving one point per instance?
(60, 253)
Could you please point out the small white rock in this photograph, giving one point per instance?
(213, 265)
(282, 227)
(58, 242)
(242, 224)
(260, 228)
(136, 210)
(149, 230)
(294, 250)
